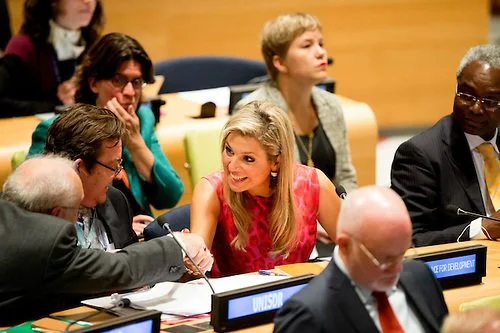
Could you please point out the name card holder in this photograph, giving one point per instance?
(458, 267)
(254, 305)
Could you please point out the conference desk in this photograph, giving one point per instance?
(491, 282)
(454, 297)
(177, 118)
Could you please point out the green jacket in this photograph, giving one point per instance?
(166, 187)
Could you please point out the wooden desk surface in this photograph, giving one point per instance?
(491, 282)
(453, 297)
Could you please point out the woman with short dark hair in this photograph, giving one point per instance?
(112, 75)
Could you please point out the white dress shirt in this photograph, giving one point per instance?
(397, 298)
(474, 141)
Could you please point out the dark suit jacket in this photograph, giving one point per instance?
(432, 170)
(330, 304)
(116, 215)
(41, 266)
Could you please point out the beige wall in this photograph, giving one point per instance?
(399, 56)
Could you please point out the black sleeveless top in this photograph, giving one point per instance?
(323, 154)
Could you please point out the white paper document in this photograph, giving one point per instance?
(220, 96)
(185, 299)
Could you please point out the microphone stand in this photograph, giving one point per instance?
(460, 211)
(166, 226)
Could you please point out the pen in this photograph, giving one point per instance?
(264, 272)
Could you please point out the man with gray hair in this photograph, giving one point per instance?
(367, 287)
(455, 164)
(42, 267)
(34, 186)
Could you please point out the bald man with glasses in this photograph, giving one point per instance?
(368, 287)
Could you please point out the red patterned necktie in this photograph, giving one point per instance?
(388, 320)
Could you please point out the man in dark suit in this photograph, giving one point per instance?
(366, 272)
(42, 267)
(444, 165)
(91, 137)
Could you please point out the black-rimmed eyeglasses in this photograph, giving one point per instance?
(116, 170)
(119, 82)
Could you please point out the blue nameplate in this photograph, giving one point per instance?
(457, 267)
(253, 306)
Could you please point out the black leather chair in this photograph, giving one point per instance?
(177, 218)
(204, 72)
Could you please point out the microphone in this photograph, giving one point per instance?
(119, 301)
(459, 211)
(164, 224)
(341, 192)
(329, 61)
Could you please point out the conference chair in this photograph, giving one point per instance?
(178, 218)
(17, 158)
(204, 72)
(203, 151)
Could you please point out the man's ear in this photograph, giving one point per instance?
(56, 211)
(342, 241)
(278, 63)
(79, 166)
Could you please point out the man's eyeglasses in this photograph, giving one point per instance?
(119, 82)
(470, 100)
(386, 264)
(116, 170)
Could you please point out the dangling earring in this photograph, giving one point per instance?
(274, 179)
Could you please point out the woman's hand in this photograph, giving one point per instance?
(195, 247)
(141, 155)
(129, 118)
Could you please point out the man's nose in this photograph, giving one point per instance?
(477, 107)
(396, 267)
(128, 89)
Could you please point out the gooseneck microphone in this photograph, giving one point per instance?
(459, 211)
(164, 224)
(329, 61)
(341, 192)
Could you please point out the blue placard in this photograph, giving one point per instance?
(140, 327)
(453, 266)
(262, 302)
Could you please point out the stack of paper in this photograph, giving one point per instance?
(184, 299)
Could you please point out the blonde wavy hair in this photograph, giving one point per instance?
(270, 126)
(278, 34)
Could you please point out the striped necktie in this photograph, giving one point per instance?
(491, 172)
